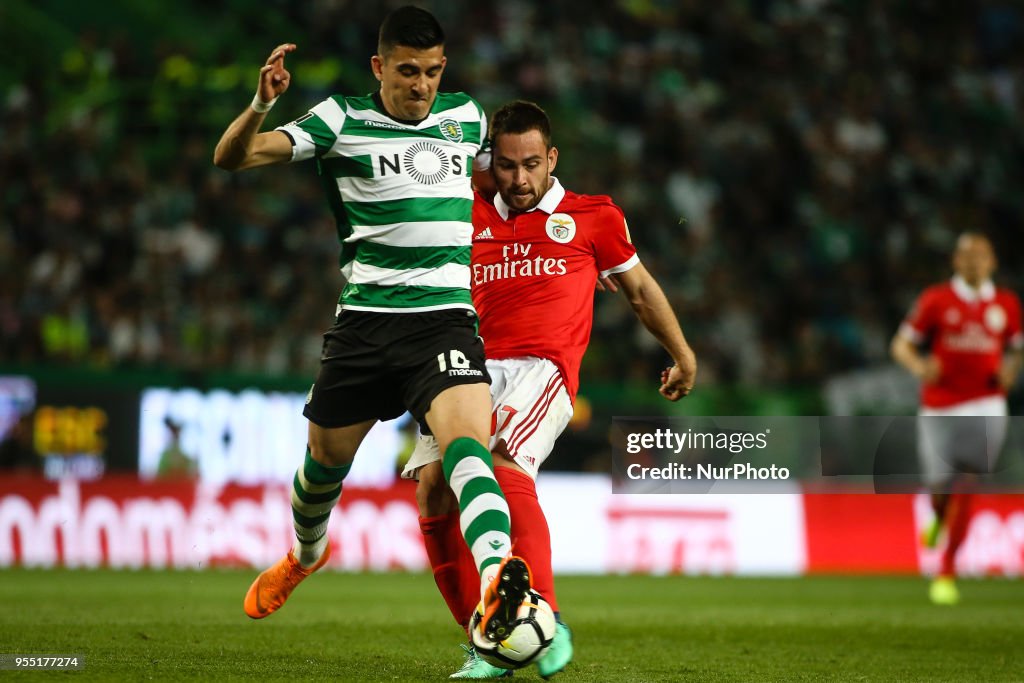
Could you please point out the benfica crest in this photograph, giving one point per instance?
(560, 227)
(995, 318)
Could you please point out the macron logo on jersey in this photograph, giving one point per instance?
(484, 234)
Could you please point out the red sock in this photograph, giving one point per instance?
(531, 539)
(454, 570)
(958, 514)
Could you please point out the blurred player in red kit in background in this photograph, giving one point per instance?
(965, 327)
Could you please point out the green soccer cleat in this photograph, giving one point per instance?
(559, 654)
(930, 535)
(943, 591)
(476, 668)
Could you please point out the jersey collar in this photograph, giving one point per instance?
(986, 292)
(548, 203)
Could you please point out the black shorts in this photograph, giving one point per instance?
(378, 365)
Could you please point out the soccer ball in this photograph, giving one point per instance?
(532, 633)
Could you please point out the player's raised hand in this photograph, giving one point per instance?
(677, 381)
(274, 78)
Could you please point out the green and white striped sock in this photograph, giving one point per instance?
(316, 489)
(483, 512)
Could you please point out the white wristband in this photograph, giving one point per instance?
(261, 107)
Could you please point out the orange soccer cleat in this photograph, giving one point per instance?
(271, 588)
(503, 597)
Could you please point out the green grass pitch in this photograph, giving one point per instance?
(394, 627)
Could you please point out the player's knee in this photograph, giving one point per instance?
(327, 456)
(445, 443)
(328, 449)
(461, 411)
(502, 459)
(433, 495)
(508, 465)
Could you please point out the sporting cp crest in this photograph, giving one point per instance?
(560, 227)
(451, 130)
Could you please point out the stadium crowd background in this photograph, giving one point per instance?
(793, 172)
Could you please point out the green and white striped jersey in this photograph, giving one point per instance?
(401, 198)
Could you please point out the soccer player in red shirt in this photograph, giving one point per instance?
(966, 325)
(538, 250)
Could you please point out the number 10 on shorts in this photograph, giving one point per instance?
(458, 360)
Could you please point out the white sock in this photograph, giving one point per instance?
(309, 554)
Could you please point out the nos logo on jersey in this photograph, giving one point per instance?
(560, 227)
(424, 162)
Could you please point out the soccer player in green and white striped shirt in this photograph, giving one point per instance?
(396, 168)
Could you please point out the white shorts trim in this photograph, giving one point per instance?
(942, 443)
(530, 408)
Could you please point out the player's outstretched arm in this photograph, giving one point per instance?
(904, 352)
(653, 309)
(242, 146)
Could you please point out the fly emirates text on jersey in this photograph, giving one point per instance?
(516, 261)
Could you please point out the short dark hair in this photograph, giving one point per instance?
(409, 26)
(520, 117)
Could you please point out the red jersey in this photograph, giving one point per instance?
(534, 274)
(968, 331)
